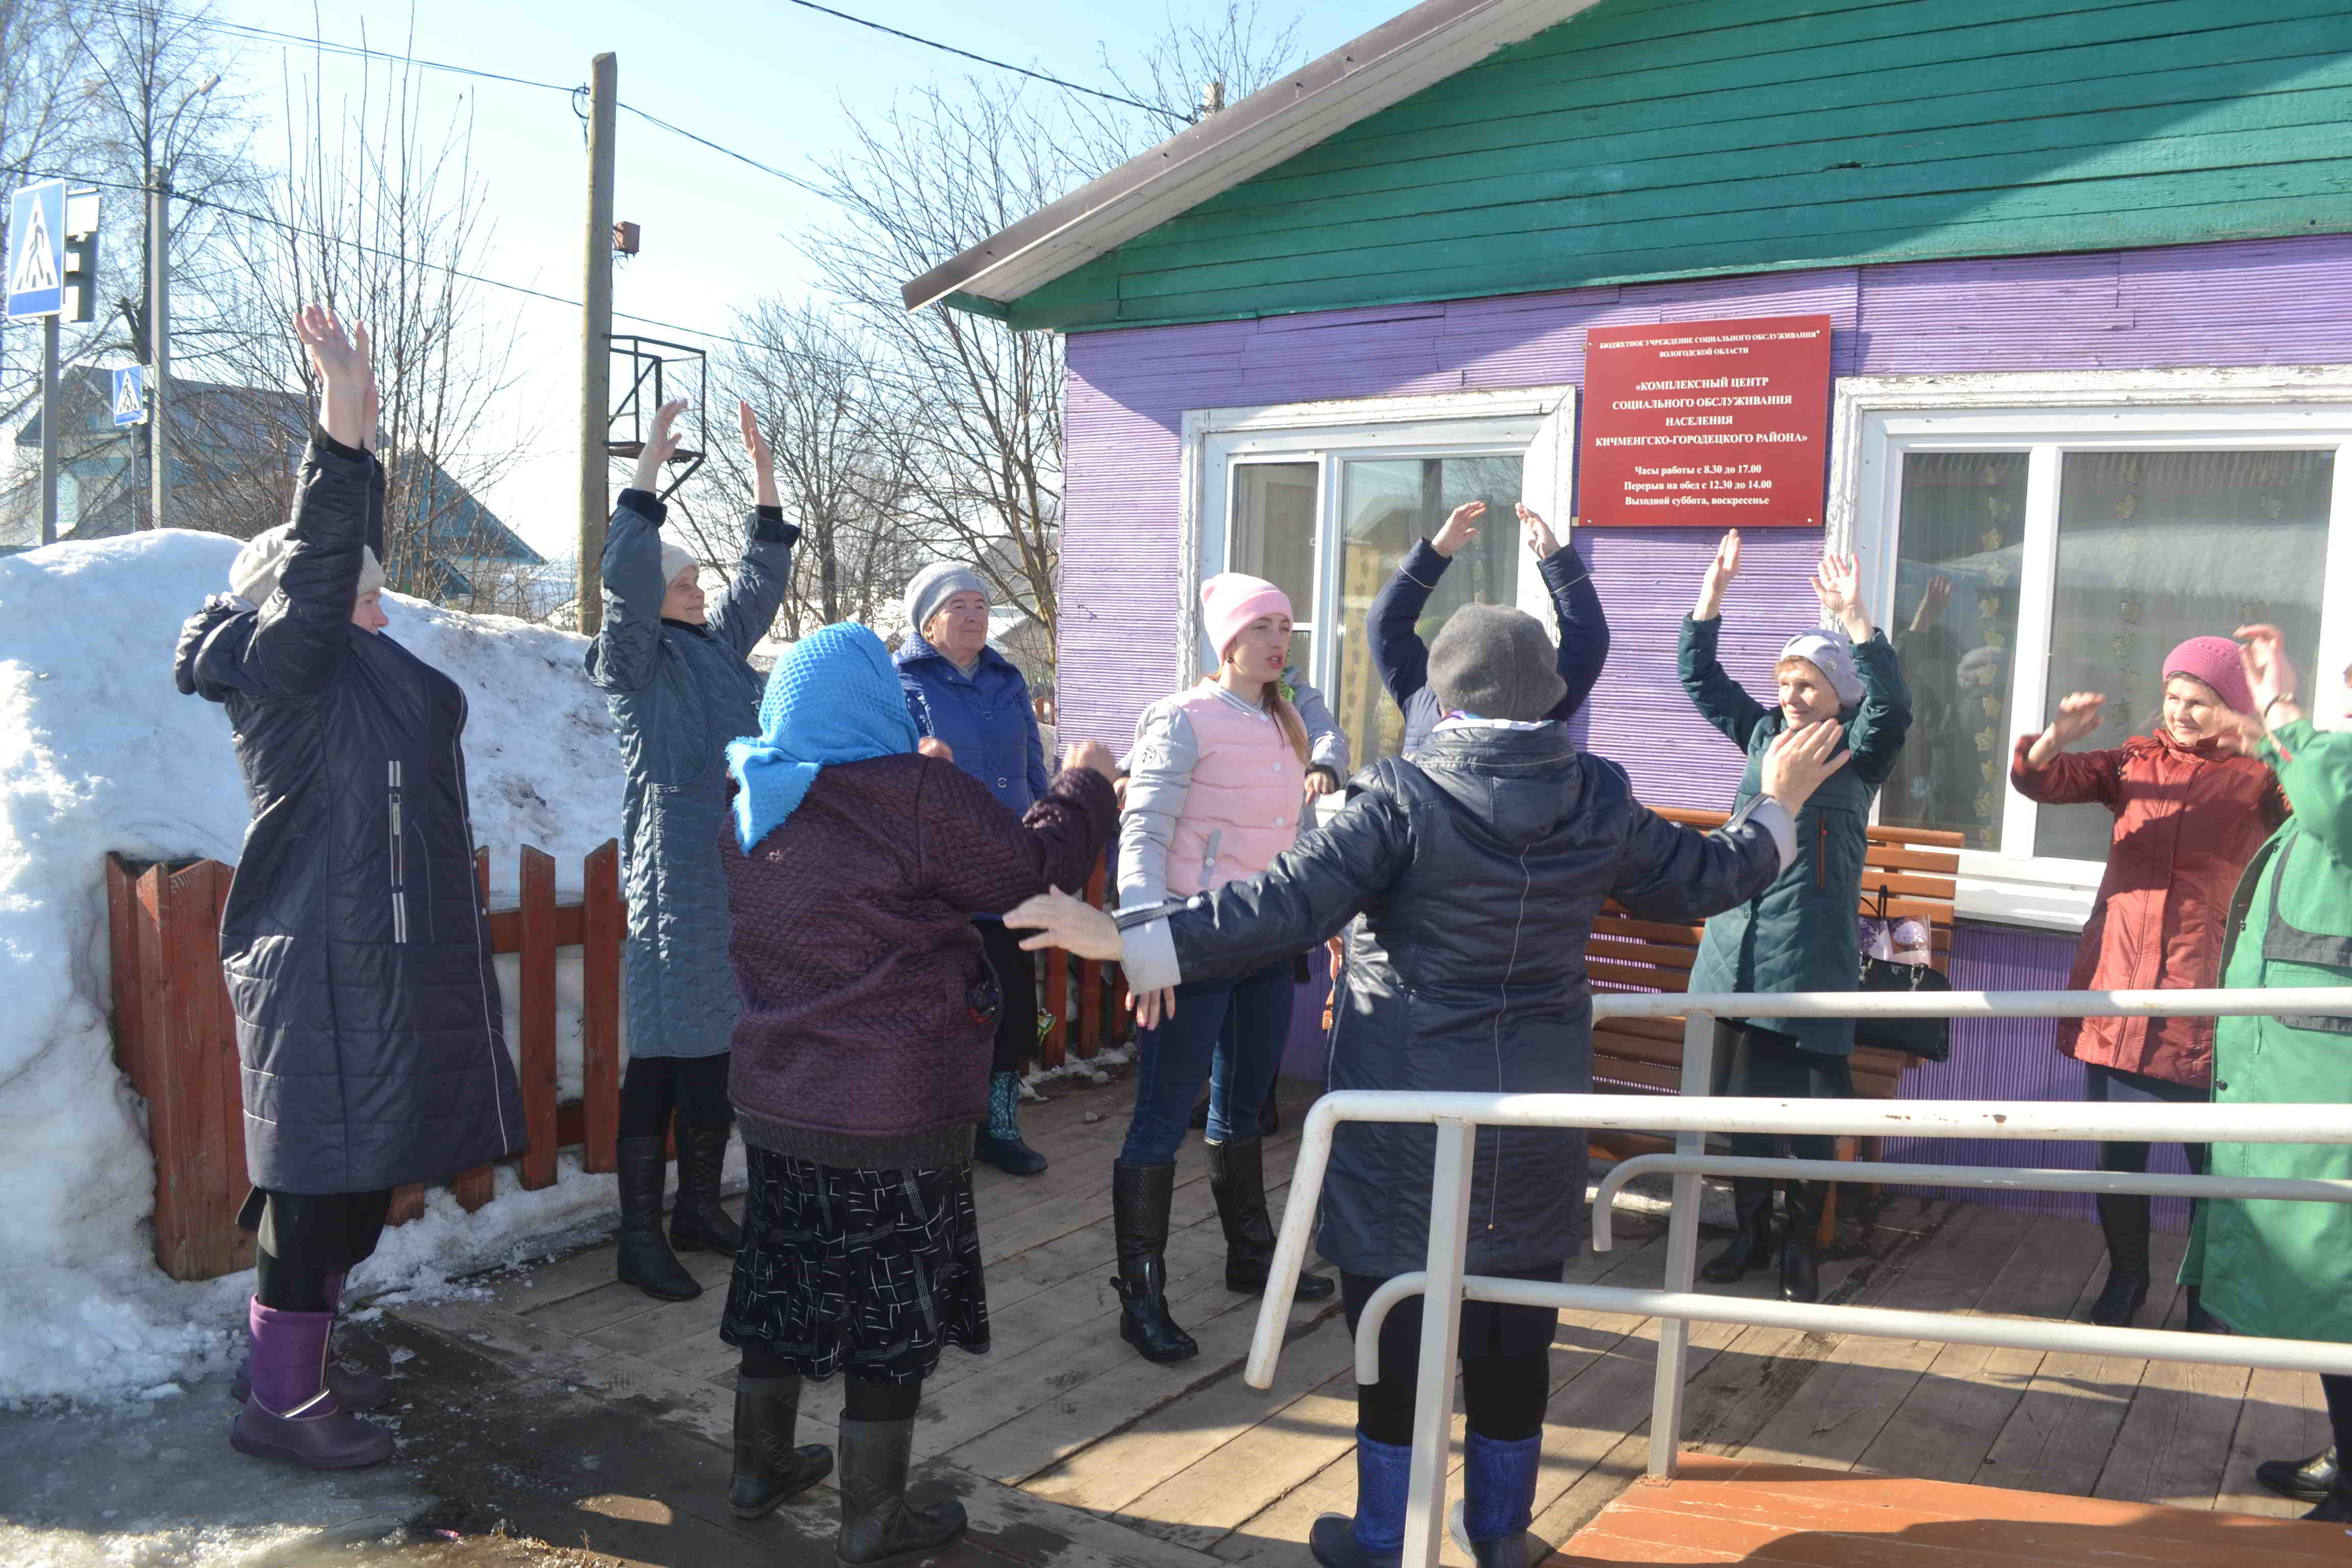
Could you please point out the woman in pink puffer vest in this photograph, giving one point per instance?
(1218, 782)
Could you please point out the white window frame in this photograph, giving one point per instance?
(1536, 424)
(1878, 419)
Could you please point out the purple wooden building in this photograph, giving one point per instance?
(2091, 281)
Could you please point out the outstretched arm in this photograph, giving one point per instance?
(1398, 652)
(1576, 604)
(765, 574)
(628, 647)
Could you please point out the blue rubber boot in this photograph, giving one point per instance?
(1499, 1502)
(1375, 1537)
(999, 1142)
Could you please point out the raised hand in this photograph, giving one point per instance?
(1090, 755)
(2078, 718)
(346, 380)
(1719, 574)
(1799, 759)
(1541, 543)
(763, 462)
(661, 444)
(1062, 922)
(1837, 583)
(1933, 603)
(2271, 676)
(1458, 530)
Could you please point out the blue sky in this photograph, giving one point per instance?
(767, 77)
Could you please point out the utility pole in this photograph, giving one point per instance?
(597, 347)
(159, 344)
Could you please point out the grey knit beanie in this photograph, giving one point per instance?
(253, 576)
(1496, 662)
(934, 585)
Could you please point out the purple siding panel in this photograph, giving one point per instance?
(2015, 1058)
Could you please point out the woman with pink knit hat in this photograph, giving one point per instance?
(1216, 788)
(2191, 807)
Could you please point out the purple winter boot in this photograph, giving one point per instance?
(291, 1413)
(354, 1388)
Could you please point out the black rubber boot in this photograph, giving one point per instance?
(1751, 1248)
(2197, 1319)
(1800, 1275)
(2336, 1508)
(1237, 1181)
(2124, 1218)
(2306, 1481)
(1139, 1196)
(698, 1224)
(645, 1259)
(769, 1471)
(877, 1523)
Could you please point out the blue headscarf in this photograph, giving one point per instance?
(833, 697)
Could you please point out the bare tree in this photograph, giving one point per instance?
(978, 406)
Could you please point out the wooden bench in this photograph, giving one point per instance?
(1914, 867)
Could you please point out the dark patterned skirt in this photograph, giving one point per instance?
(868, 1272)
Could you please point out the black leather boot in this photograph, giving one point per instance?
(878, 1525)
(1237, 1181)
(2124, 1218)
(645, 1259)
(1800, 1278)
(1751, 1247)
(2336, 1508)
(1139, 1195)
(698, 1224)
(2306, 1481)
(769, 1471)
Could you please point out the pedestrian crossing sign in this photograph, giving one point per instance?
(130, 395)
(37, 251)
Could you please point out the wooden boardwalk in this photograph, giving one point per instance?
(1063, 1440)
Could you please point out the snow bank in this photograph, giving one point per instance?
(98, 752)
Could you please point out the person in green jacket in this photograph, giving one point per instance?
(2271, 1267)
(1803, 933)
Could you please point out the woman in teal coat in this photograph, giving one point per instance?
(2272, 1268)
(1800, 934)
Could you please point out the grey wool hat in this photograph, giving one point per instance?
(1496, 662)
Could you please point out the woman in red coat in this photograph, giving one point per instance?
(2190, 810)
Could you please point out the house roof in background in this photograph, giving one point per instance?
(1390, 63)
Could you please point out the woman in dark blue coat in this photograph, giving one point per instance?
(968, 696)
(357, 958)
(1448, 864)
(674, 669)
(1801, 933)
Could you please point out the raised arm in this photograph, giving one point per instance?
(743, 614)
(1576, 604)
(1398, 652)
(2313, 765)
(1720, 701)
(2041, 768)
(304, 628)
(628, 647)
(1884, 716)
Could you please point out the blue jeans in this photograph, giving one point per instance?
(1228, 1033)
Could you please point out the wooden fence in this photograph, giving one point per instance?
(175, 1038)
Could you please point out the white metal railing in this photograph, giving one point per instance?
(1446, 1281)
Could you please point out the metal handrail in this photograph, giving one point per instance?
(1457, 1117)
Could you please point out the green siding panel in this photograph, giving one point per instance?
(1648, 140)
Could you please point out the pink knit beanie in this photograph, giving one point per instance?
(2214, 661)
(1231, 600)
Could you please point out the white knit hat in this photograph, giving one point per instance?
(675, 560)
(253, 576)
(1834, 656)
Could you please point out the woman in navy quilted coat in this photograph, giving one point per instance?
(672, 667)
(357, 959)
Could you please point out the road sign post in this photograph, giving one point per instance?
(129, 396)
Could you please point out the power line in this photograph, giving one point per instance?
(814, 190)
(331, 47)
(1000, 65)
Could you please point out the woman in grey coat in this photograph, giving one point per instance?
(674, 669)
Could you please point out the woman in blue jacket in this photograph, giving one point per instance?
(971, 698)
(672, 668)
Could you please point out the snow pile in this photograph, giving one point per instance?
(99, 752)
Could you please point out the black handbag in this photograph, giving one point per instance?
(1929, 1040)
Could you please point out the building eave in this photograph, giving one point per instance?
(1390, 63)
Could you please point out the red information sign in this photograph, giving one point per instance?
(1705, 424)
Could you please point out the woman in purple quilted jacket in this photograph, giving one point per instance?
(855, 866)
